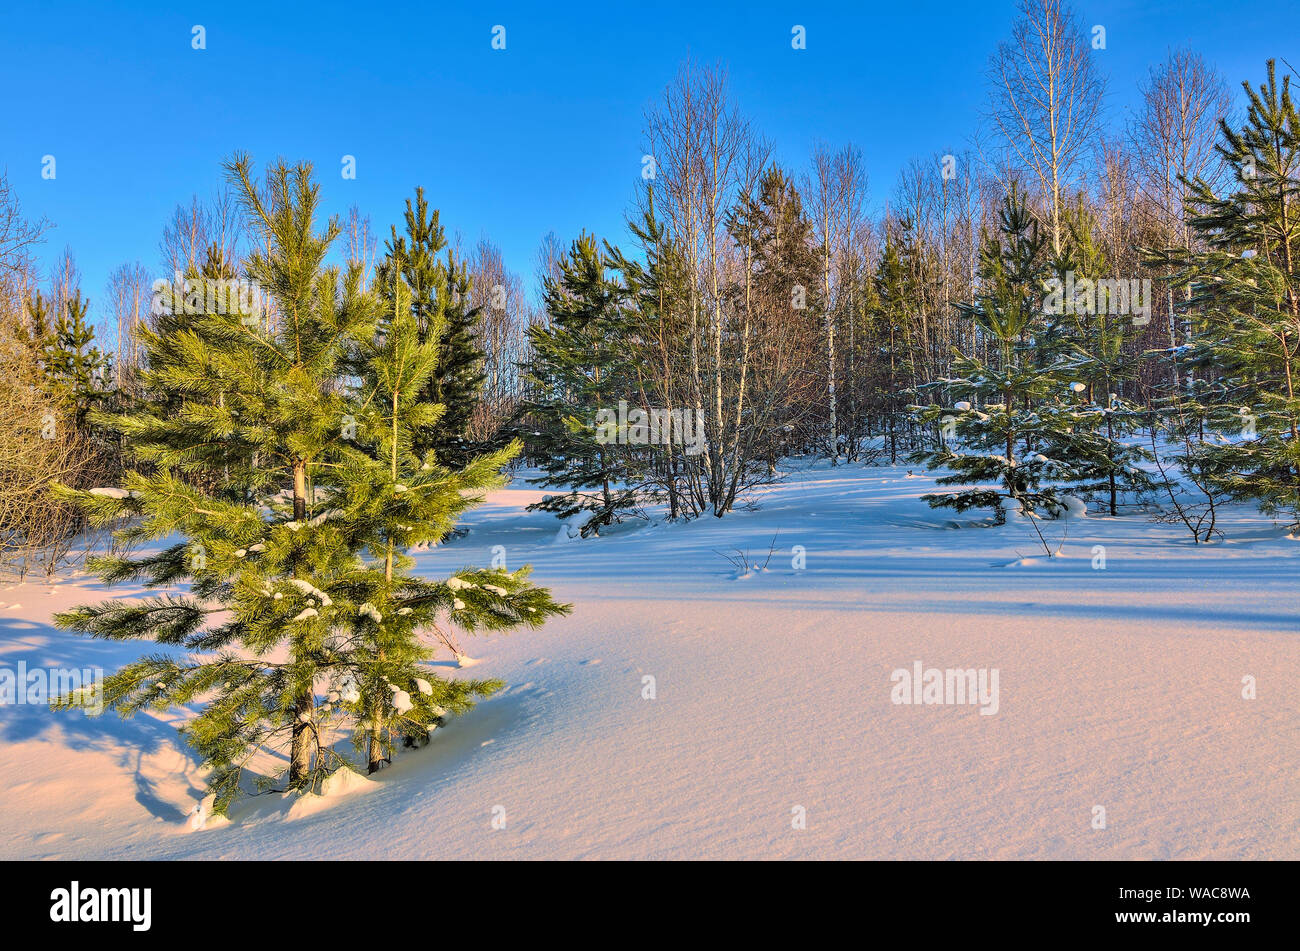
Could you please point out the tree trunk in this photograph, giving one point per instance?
(375, 758)
(304, 730)
(830, 354)
(304, 740)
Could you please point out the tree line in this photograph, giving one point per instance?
(1058, 307)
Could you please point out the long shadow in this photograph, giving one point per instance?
(414, 778)
(128, 741)
(1276, 622)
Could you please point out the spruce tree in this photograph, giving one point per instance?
(295, 560)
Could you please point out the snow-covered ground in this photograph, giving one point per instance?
(1119, 688)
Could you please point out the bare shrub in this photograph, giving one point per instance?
(38, 532)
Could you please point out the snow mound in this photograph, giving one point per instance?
(1074, 507)
(342, 782)
(567, 533)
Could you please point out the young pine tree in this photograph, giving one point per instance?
(1086, 346)
(398, 497)
(1245, 303)
(35, 328)
(581, 367)
(655, 290)
(294, 556)
(77, 372)
(1008, 411)
(893, 302)
(440, 302)
(779, 295)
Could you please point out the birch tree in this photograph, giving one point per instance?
(1045, 101)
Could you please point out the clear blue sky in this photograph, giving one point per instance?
(543, 136)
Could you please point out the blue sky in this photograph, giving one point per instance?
(545, 135)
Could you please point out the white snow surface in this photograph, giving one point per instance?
(1119, 688)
